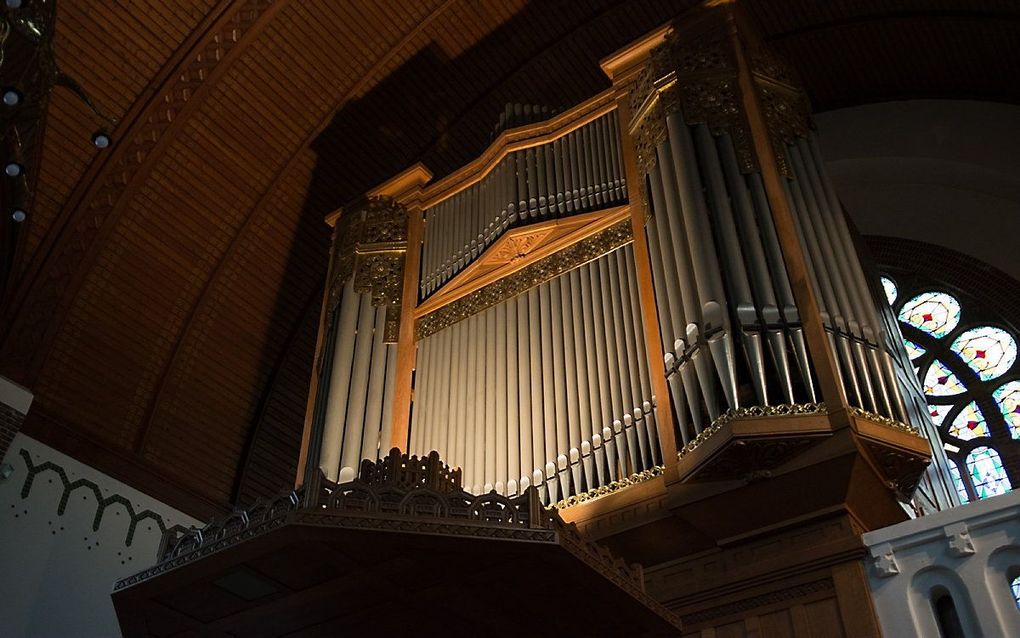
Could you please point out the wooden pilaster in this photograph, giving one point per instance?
(646, 289)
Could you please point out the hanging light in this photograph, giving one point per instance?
(13, 169)
(13, 4)
(18, 215)
(11, 96)
(101, 139)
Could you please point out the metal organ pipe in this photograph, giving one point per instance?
(351, 456)
(340, 381)
(740, 287)
(757, 264)
(376, 382)
(559, 385)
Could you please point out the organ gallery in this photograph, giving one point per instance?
(628, 371)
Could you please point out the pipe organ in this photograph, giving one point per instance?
(598, 294)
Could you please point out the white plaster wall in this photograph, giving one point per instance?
(57, 571)
(969, 551)
(946, 172)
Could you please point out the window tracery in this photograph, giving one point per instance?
(971, 381)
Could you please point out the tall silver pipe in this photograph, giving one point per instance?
(581, 363)
(537, 387)
(560, 181)
(548, 378)
(543, 181)
(501, 396)
(490, 398)
(354, 423)
(376, 383)
(513, 418)
(757, 264)
(339, 381)
(714, 326)
(573, 424)
(740, 285)
(524, 389)
(637, 441)
(389, 388)
(606, 411)
(478, 427)
(781, 281)
(641, 354)
(418, 405)
(847, 325)
(460, 408)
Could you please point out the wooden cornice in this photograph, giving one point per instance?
(517, 139)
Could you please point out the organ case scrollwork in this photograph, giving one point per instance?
(370, 245)
(697, 74)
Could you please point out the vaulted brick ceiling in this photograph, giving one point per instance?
(165, 292)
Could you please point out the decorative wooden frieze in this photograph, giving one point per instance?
(526, 278)
(370, 245)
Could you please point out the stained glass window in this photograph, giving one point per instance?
(1016, 590)
(940, 381)
(986, 472)
(914, 351)
(938, 413)
(969, 424)
(954, 356)
(890, 290)
(988, 351)
(961, 489)
(1007, 397)
(933, 312)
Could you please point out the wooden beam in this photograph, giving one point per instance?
(406, 346)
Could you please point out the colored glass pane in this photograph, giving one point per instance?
(969, 423)
(1007, 396)
(890, 290)
(986, 472)
(954, 473)
(913, 350)
(938, 413)
(940, 381)
(989, 351)
(1016, 590)
(934, 312)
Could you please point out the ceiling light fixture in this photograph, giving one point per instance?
(18, 215)
(12, 96)
(101, 139)
(13, 169)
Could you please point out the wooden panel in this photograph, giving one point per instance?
(778, 624)
(823, 618)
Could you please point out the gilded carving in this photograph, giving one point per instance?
(786, 107)
(615, 486)
(886, 421)
(698, 76)
(370, 245)
(755, 411)
(528, 277)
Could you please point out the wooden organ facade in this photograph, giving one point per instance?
(648, 312)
